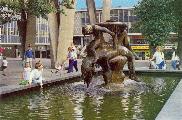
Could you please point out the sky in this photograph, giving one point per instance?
(81, 4)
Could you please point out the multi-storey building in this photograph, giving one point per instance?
(10, 40)
(125, 15)
(9, 37)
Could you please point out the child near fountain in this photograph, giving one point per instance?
(26, 71)
(36, 74)
(58, 68)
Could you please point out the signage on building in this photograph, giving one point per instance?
(140, 47)
(137, 37)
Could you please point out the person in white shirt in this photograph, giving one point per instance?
(70, 57)
(36, 74)
(4, 65)
(58, 67)
(159, 58)
(26, 71)
(175, 60)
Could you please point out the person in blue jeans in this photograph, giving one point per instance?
(175, 60)
(71, 60)
(74, 53)
(159, 57)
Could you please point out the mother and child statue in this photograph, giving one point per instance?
(111, 57)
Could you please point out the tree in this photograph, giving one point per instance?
(159, 17)
(91, 11)
(178, 14)
(156, 20)
(66, 30)
(61, 27)
(106, 10)
(27, 10)
(24, 11)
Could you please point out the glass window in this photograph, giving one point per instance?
(114, 15)
(87, 19)
(120, 15)
(98, 16)
(126, 16)
(83, 18)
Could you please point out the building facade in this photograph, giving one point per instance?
(9, 36)
(10, 40)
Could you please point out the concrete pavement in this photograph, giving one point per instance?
(14, 71)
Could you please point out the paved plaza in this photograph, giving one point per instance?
(15, 68)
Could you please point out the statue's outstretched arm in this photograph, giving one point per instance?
(104, 29)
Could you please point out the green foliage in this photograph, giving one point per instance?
(31, 7)
(39, 7)
(178, 13)
(23, 82)
(156, 20)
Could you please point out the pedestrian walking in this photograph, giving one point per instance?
(71, 59)
(75, 62)
(1, 52)
(29, 55)
(74, 53)
(4, 65)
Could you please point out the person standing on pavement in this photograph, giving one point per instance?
(175, 60)
(29, 55)
(74, 53)
(1, 52)
(75, 62)
(4, 65)
(71, 59)
(158, 57)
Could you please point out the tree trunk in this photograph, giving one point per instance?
(65, 34)
(179, 48)
(54, 32)
(178, 13)
(22, 27)
(106, 16)
(31, 32)
(91, 11)
(106, 10)
(53, 21)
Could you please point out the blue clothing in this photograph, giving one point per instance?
(29, 54)
(161, 65)
(174, 62)
(75, 65)
(71, 64)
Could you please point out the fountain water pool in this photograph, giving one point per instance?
(75, 101)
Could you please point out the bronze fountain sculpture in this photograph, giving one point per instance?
(111, 58)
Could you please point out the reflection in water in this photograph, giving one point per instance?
(159, 84)
(75, 101)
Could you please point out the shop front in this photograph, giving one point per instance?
(142, 51)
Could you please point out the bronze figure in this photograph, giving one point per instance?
(111, 59)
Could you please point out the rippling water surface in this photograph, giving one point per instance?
(76, 102)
